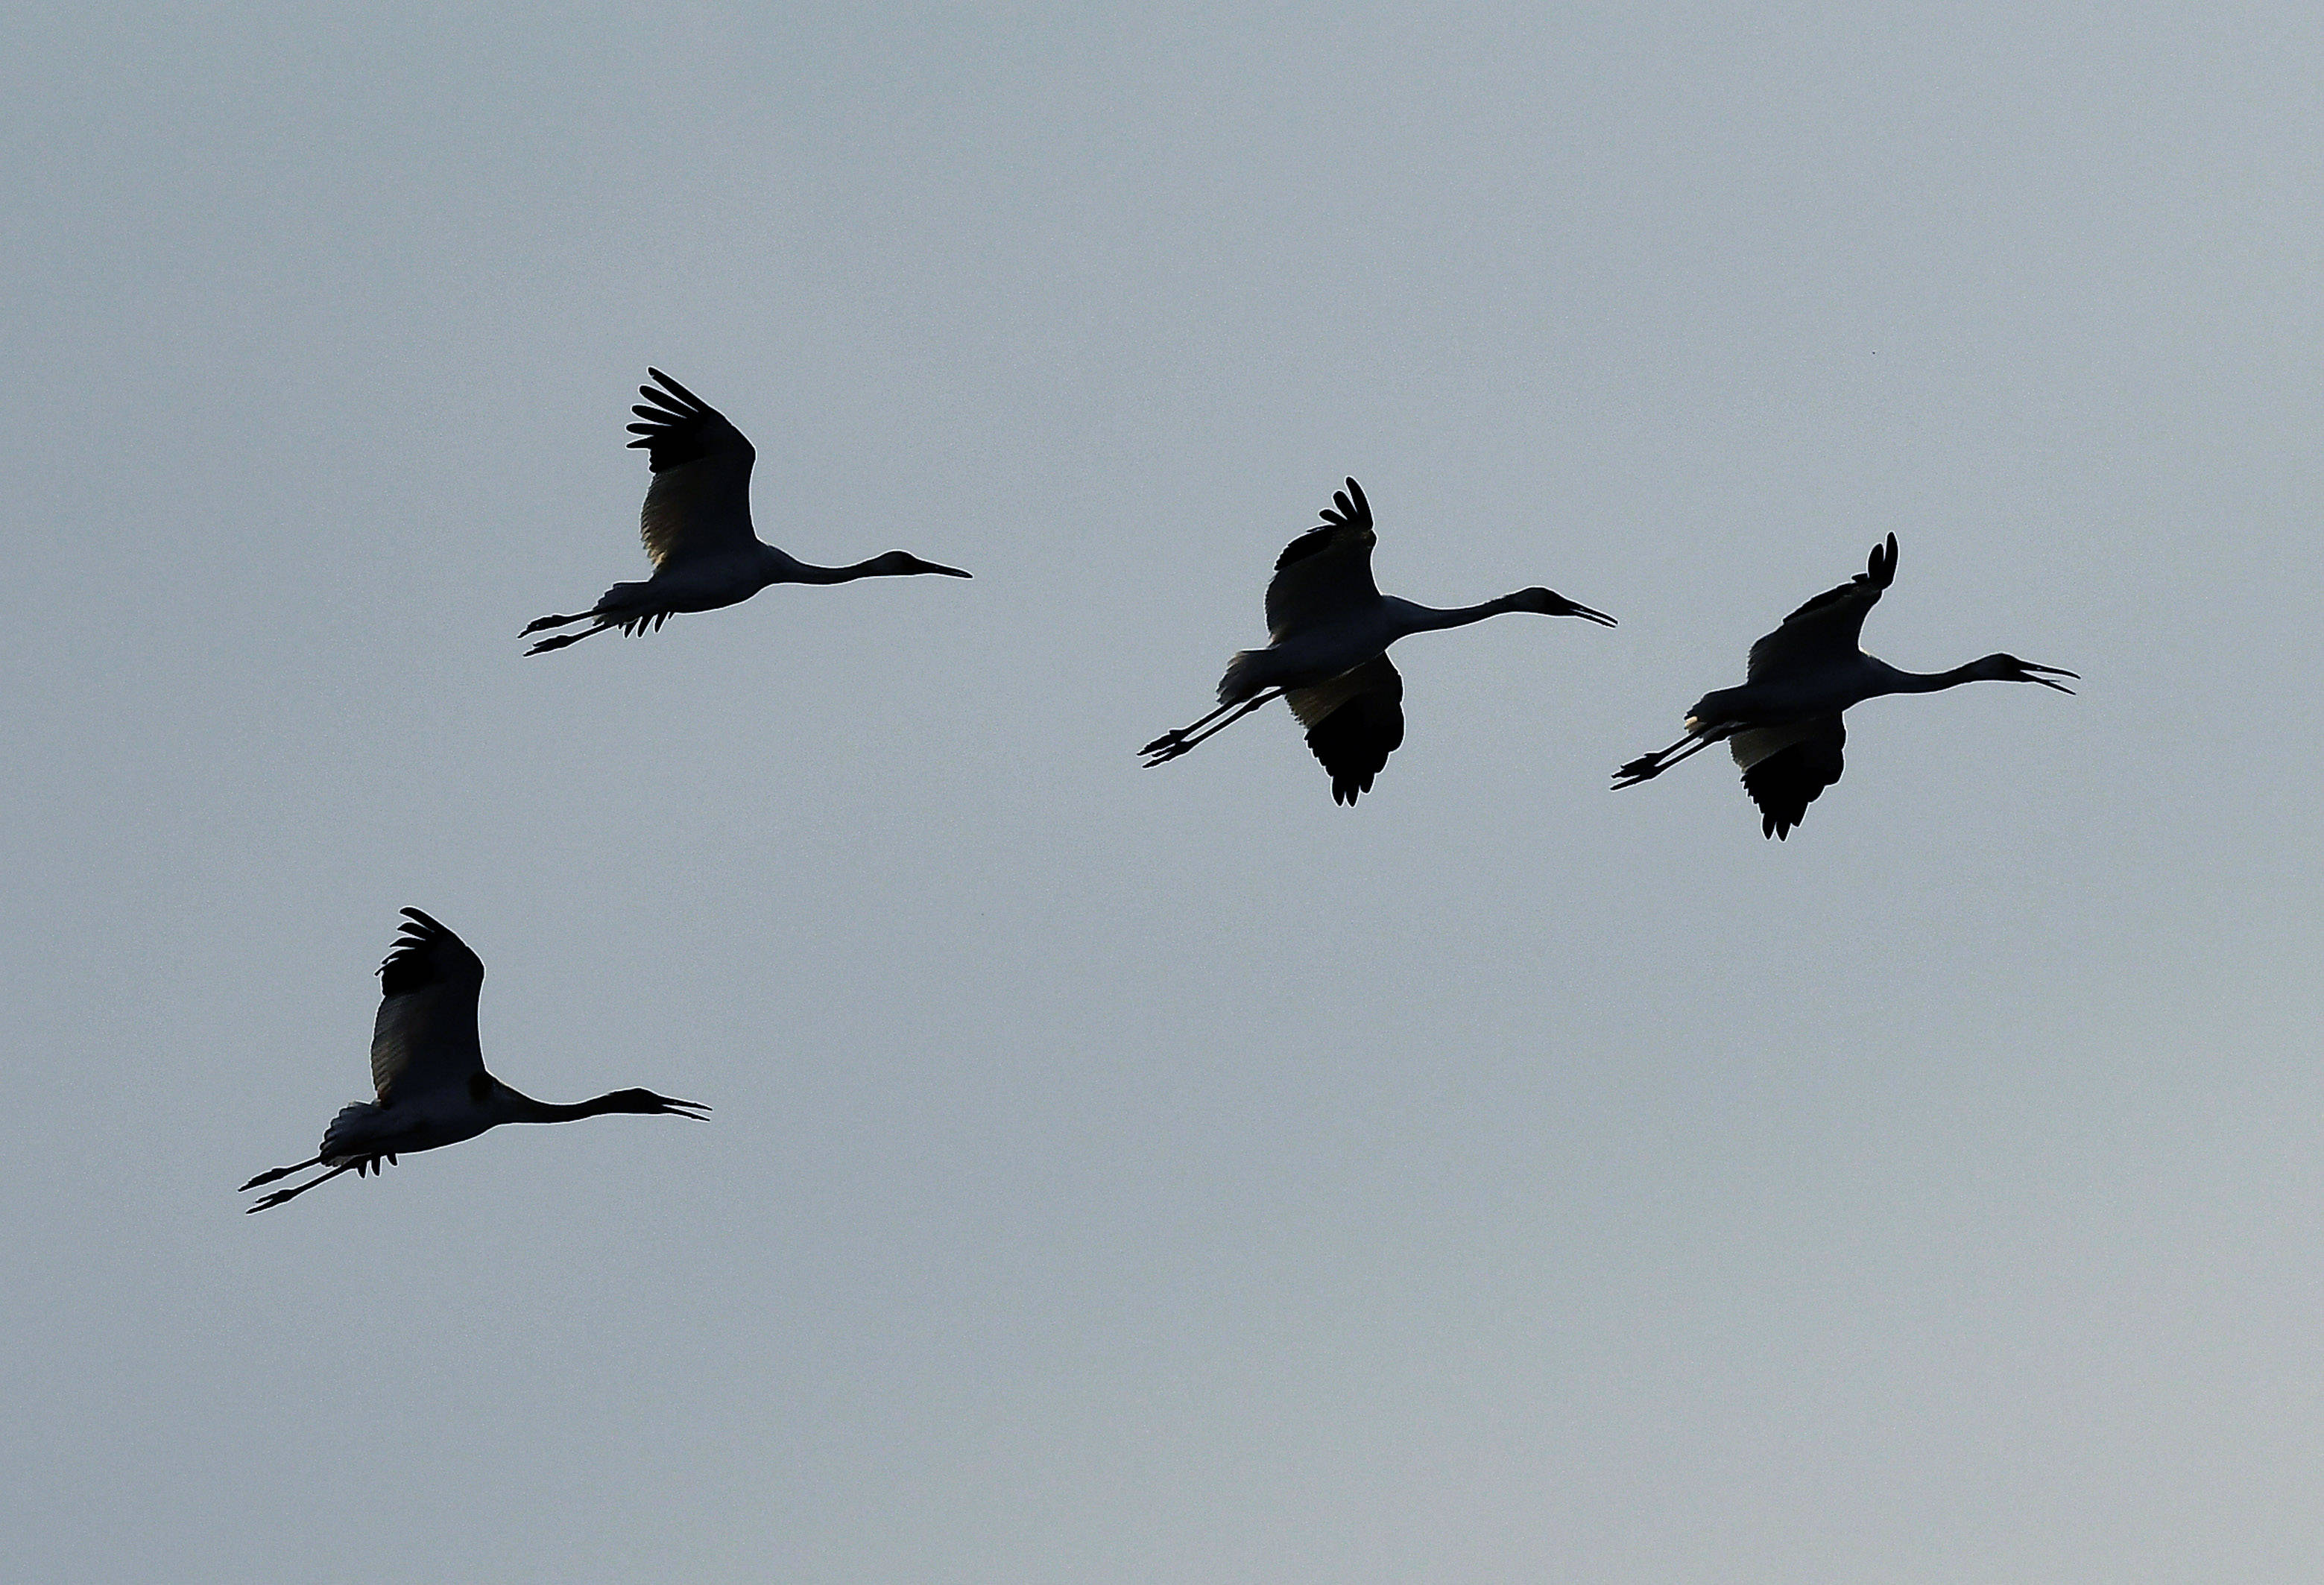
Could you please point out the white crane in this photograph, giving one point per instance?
(696, 527)
(429, 1069)
(1783, 725)
(1329, 628)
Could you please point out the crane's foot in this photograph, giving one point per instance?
(1171, 744)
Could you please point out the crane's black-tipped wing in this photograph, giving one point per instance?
(1326, 571)
(1786, 767)
(1830, 627)
(699, 503)
(1354, 723)
(426, 1034)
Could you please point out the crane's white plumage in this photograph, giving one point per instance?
(1783, 725)
(696, 525)
(428, 1070)
(1329, 628)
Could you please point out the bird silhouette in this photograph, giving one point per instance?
(1784, 725)
(696, 527)
(429, 1069)
(1329, 629)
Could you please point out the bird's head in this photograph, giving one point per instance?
(1550, 603)
(648, 1104)
(899, 564)
(2009, 668)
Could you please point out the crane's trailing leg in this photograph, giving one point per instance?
(1647, 766)
(361, 1165)
(281, 1172)
(562, 639)
(1171, 744)
(1179, 733)
(281, 1196)
(622, 607)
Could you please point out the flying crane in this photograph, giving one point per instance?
(1329, 629)
(696, 527)
(1783, 725)
(428, 1067)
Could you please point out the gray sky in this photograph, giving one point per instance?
(1167, 1176)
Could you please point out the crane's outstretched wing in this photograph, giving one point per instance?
(1786, 767)
(699, 503)
(425, 1036)
(1327, 570)
(1354, 723)
(1829, 628)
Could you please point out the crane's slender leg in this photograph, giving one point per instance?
(533, 627)
(562, 639)
(1171, 744)
(1172, 736)
(1647, 766)
(292, 1192)
(280, 1172)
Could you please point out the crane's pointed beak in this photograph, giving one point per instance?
(2053, 671)
(1586, 614)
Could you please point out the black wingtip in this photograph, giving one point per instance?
(672, 387)
(1880, 570)
(1354, 511)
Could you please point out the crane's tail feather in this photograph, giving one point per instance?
(1243, 679)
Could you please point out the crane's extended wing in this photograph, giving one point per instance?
(1786, 767)
(1327, 570)
(425, 1036)
(1829, 628)
(699, 503)
(1354, 723)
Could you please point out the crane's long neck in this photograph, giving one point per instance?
(787, 568)
(1415, 618)
(1927, 682)
(524, 1109)
(801, 572)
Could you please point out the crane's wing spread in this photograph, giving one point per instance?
(1829, 628)
(1786, 767)
(1326, 571)
(1354, 723)
(425, 1036)
(699, 503)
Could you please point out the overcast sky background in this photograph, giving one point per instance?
(1168, 1176)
